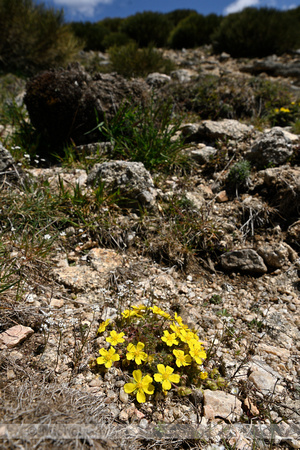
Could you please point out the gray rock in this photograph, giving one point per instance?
(9, 171)
(6, 160)
(272, 148)
(277, 255)
(293, 233)
(283, 186)
(203, 155)
(210, 130)
(245, 260)
(263, 380)
(183, 75)
(131, 179)
(273, 68)
(157, 79)
(221, 404)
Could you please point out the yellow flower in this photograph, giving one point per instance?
(176, 329)
(140, 309)
(103, 326)
(160, 312)
(181, 358)
(169, 338)
(142, 386)
(197, 352)
(115, 338)
(284, 110)
(108, 357)
(166, 376)
(203, 375)
(179, 321)
(126, 314)
(188, 336)
(136, 353)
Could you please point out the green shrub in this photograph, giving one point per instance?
(115, 39)
(238, 176)
(257, 33)
(130, 61)
(33, 37)
(193, 31)
(92, 34)
(147, 28)
(178, 15)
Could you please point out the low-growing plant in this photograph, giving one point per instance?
(146, 134)
(160, 350)
(131, 61)
(238, 177)
(285, 115)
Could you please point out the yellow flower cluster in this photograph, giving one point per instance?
(190, 351)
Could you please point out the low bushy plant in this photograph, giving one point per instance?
(131, 61)
(238, 176)
(159, 350)
(33, 37)
(285, 115)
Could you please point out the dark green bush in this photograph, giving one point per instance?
(33, 37)
(147, 28)
(178, 15)
(257, 33)
(193, 31)
(129, 60)
(92, 34)
(115, 39)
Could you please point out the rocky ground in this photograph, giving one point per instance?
(243, 299)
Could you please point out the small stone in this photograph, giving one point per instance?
(222, 197)
(123, 416)
(14, 335)
(10, 374)
(263, 380)
(123, 396)
(222, 405)
(96, 382)
(143, 423)
(57, 302)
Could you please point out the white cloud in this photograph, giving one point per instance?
(288, 7)
(85, 7)
(239, 5)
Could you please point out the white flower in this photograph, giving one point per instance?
(47, 237)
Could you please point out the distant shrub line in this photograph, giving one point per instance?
(250, 33)
(34, 37)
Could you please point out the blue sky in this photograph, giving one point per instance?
(94, 10)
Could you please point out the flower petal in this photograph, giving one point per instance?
(149, 389)
(129, 387)
(158, 377)
(161, 368)
(137, 375)
(166, 385)
(140, 396)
